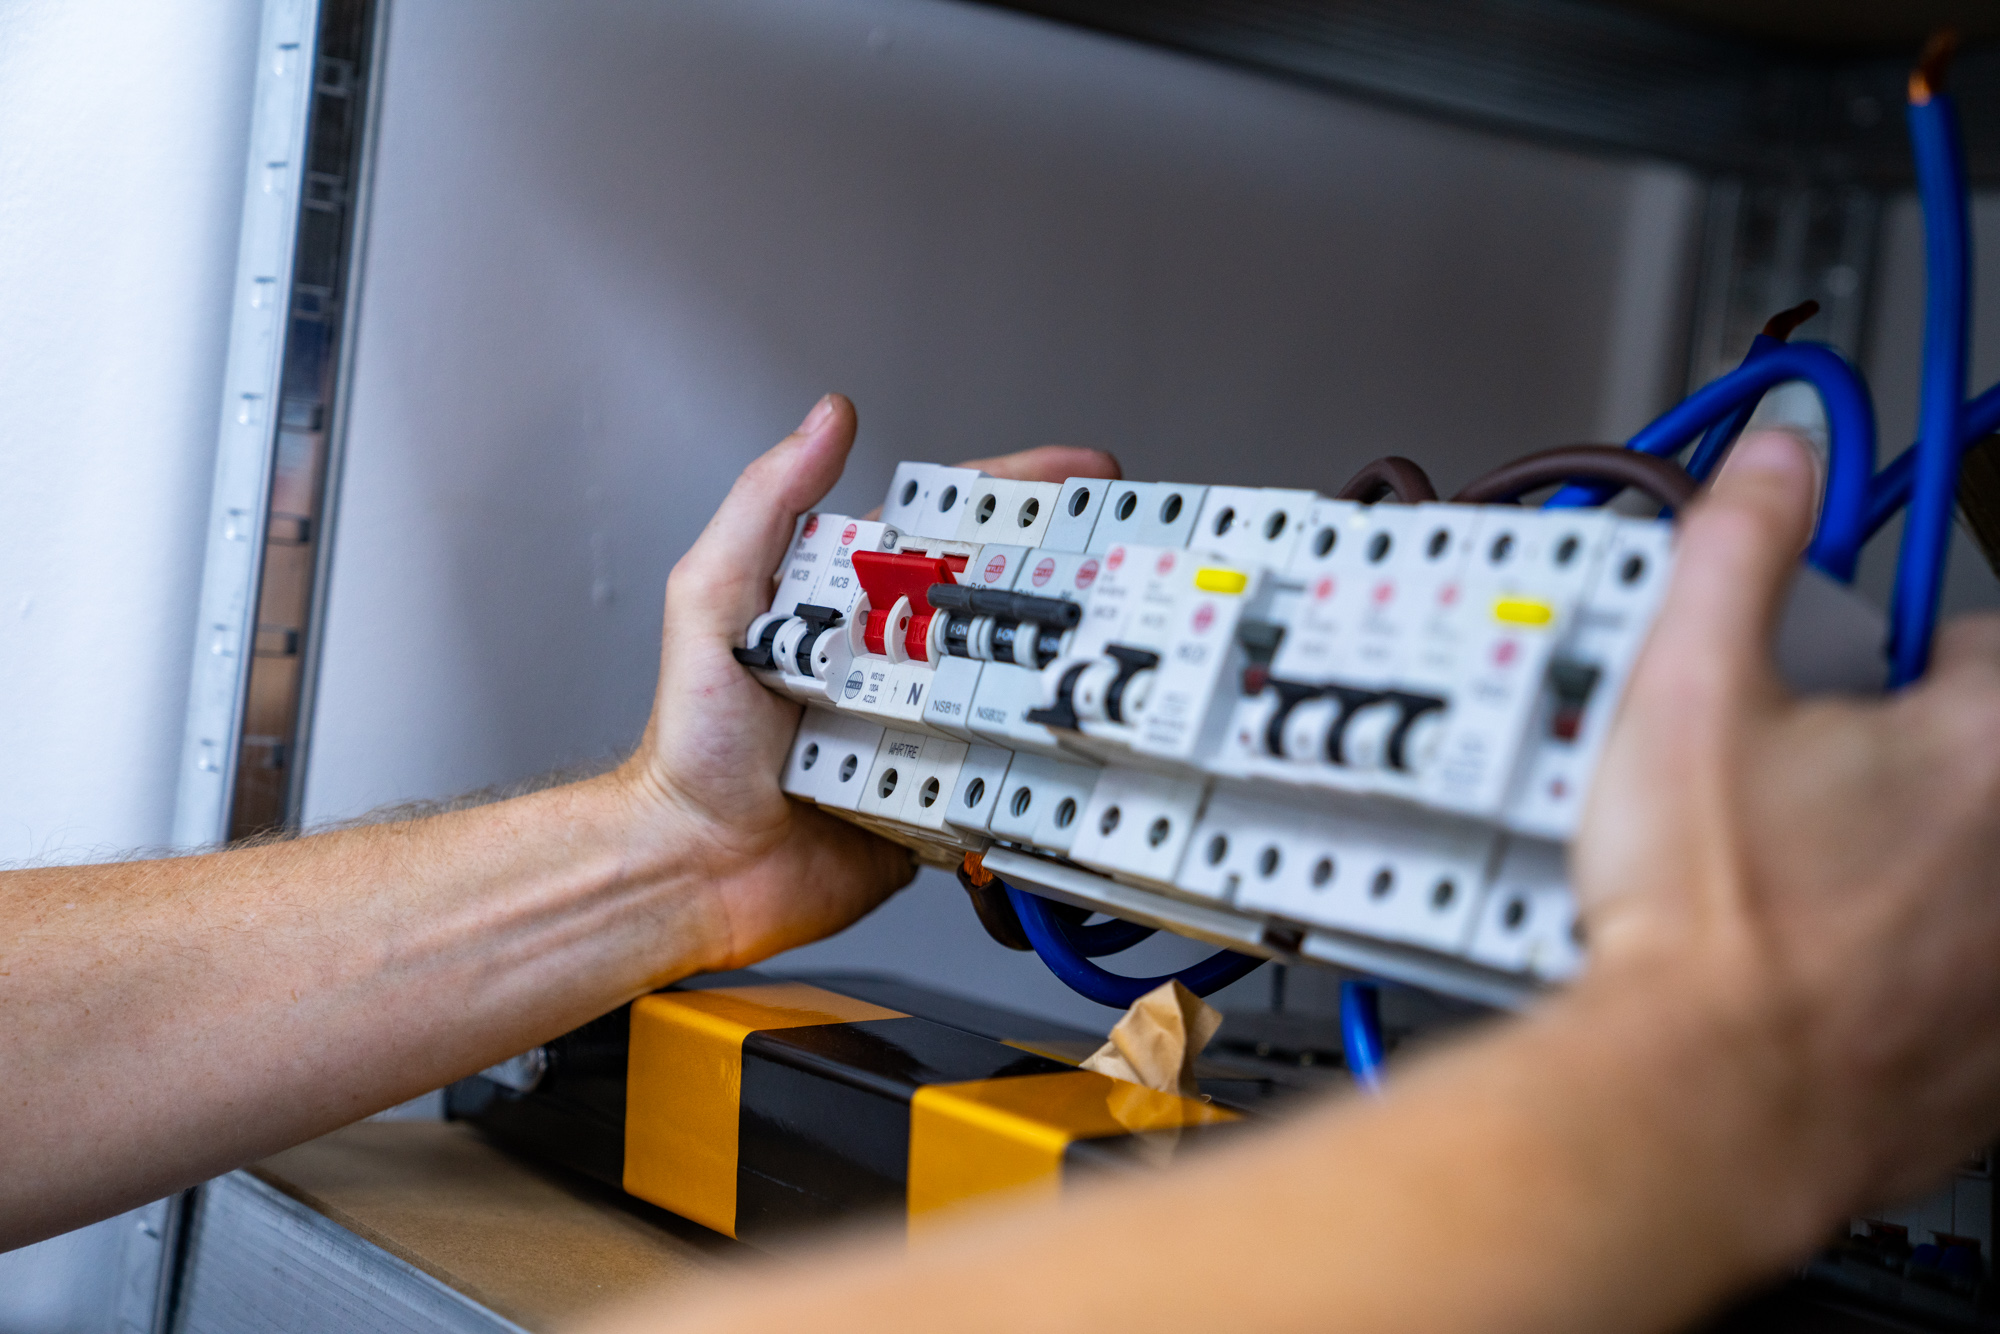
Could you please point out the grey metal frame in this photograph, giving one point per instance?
(291, 324)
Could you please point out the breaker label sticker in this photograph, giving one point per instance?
(995, 568)
(848, 533)
(1086, 574)
(1043, 573)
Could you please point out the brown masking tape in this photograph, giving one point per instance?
(684, 1079)
(986, 1136)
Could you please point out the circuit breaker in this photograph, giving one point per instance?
(1305, 727)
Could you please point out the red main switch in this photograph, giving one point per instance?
(896, 584)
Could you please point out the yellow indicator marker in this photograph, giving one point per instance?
(1523, 611)
(1210, 579)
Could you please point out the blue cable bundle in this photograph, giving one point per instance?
(1054, 940)
(1924, 477)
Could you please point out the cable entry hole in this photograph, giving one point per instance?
(1385, 882)
(1274, 527)
(1268, 860)
(984, 509)
(1378, 547)
(848, 766)
(1157, 832)
(1030, 510)
(909, 492)
(809, 756)
(1218, 848)
(947, 500)
(1566, 549)
(1633, 570)
(1108, 821)
(1019, 806)
(888, 783)
(975, 792)
(1065, 812)
(1127, 503)
(1322, 873)
(1439, 541)
(1515, 914)
(927, 795)
(1503, 547)
(1079, 502)
(1323, 541)
(1170, 508)
(1224, 520)
(1442, 893)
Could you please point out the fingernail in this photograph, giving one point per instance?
(1770, 451)
(817, 417)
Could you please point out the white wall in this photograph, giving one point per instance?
(123, 128)
(618, 248)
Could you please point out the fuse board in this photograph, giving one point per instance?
(1310, 728)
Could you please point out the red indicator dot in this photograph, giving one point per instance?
(1115, 559)
(812, 525)
(995, 568)
(1558, 789)
(1086, 575)
(1448, 595)
(1204, 616)
(1165, 564)
(848, 534)
(1505, 651)
(1043, 572)
(1323, 589)
(1384, 591)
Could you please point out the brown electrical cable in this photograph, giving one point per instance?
(1662, 479)
(1393, 477)
(1927, 79)
(1781, 325)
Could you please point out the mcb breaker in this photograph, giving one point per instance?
(1315, 729)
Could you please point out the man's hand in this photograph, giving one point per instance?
(705, 778)
(1820, 877)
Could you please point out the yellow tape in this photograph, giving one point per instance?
(684, 1083)
(986, 1136)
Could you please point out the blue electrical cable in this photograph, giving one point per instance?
(1723, 434)
(1096, 940)
(1850, 413)
(1934, 475)
(1890, 490)
(1050, 936)
(1716, 444)
(1361, 1033)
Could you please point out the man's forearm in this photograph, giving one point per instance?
(202, 1011)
